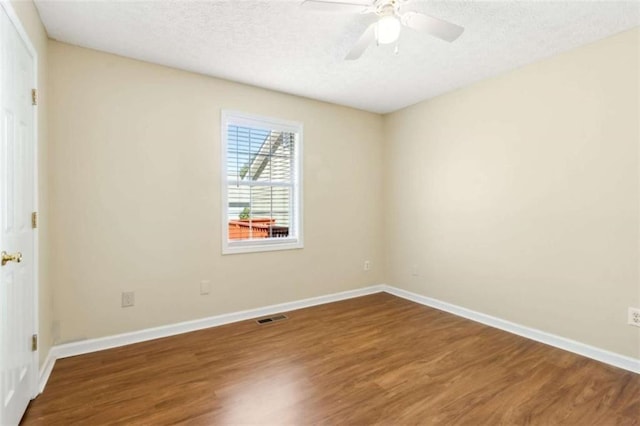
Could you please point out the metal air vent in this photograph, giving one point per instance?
(271, 319)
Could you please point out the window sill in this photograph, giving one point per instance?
(238, 247)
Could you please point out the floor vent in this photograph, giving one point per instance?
(271, 319)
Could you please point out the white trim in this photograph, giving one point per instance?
(46, 370)
(24, 36)
(254, 246)
(251, 120)
(272, 244)
(93, 345)
(611, 358)
(13, 17)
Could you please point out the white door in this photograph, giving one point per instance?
(17, 201)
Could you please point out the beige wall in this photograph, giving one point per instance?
(519, 196)
(30, 20)
(135, 175)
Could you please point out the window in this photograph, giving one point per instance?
(261, 183)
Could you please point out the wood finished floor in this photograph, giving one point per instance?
(376, 359)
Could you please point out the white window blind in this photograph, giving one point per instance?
(262, 175)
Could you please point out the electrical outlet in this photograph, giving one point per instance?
(205, 287)
(367, 265)
(634, 317)
(128, 299)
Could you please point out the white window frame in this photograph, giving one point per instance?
(229, 117)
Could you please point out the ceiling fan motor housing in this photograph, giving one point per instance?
(386, 7)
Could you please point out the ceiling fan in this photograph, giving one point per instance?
(390, 17)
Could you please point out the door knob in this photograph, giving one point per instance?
(16, 257)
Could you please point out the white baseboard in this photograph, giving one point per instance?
(611, 358)
(45, 371)
(102, 343)
(94, 345)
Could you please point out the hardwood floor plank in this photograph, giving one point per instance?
(376, 359)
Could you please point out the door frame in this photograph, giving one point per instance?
(15, 20)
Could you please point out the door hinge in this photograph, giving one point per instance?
(34, 342)
(34, 220)
(34, 96)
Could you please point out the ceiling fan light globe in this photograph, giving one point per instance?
(387, 29)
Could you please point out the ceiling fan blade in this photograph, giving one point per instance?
(434, 26)
(367, 37)
(333, 6)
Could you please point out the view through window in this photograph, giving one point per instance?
(262, 183)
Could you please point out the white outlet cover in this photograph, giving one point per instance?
(205, 287)
(634, 317)
(414, 271)
(128, 299)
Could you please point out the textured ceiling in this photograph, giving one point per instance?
(278, 45)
